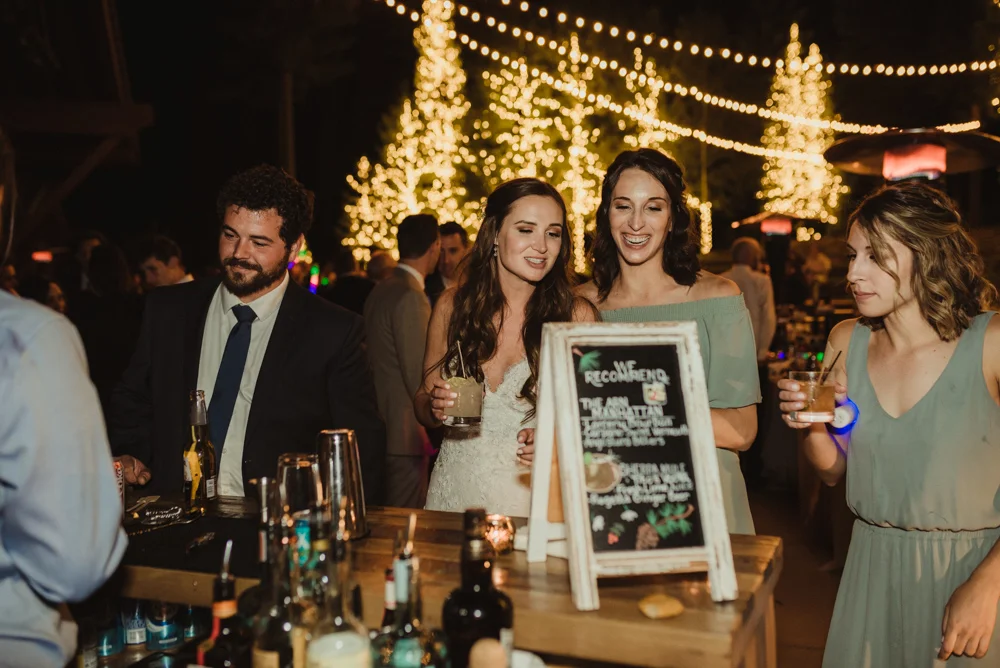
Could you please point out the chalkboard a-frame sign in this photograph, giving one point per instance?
(627, 405)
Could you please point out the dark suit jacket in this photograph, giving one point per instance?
(314, 375)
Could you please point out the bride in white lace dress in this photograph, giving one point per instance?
(517, 278)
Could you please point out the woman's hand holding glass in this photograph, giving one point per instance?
(442, 397)
(793, 399)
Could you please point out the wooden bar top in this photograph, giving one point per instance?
(706, 635)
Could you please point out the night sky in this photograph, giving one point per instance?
(210, 70)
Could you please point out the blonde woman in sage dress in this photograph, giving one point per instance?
(646, 269)
(922, 365)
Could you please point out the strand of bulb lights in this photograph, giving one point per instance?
(628, 110)
(631, 112)
(704, 97)
(753, 60)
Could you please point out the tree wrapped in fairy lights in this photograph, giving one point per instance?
(423, 168)
(544, 125)
(799, 188)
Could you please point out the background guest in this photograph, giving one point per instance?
(161, 263)
(454, 249)
(396, 317)
(43, 290)
(380, 265)
(350, 288)
(758, 293)
(108, 315)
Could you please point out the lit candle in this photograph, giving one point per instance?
(500, 533)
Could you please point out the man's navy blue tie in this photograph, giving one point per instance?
(227, 383)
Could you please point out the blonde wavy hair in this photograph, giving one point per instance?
(948, 275)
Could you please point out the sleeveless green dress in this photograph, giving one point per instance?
(729, 354)
(926, 490)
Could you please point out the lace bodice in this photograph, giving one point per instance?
(478, 466)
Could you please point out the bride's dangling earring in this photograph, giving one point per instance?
(496, 249)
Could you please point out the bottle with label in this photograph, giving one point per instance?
(162, 629)
(229, 644)
(201, 472)
(338, 639)
(389, 610)
(408, 644)
(133, 622)
(477, 609)
(272, 628)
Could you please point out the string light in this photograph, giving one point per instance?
(609, 103)
(795, 188)
(420, 167)
(729, 104)
(851, 69)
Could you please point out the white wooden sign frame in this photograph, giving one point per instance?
(559, 421)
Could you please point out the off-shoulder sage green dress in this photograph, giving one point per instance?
(925, 487)
(730, 357)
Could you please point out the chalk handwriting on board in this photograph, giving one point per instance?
(637, 457)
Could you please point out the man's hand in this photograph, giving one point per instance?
(136, 472)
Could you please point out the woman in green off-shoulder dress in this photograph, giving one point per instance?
(646, 269)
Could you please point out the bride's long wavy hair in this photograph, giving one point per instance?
(478, 314)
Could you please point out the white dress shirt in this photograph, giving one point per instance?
(758, 293)
(218, 324)
(413, 272)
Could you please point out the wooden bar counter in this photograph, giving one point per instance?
(706, 635)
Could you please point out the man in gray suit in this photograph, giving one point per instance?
(396, 317)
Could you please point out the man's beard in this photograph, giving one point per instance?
(259, 280)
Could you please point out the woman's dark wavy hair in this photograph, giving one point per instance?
(680, 253)
(948, 276)
(479, 304)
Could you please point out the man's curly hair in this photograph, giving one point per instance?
(267, 187)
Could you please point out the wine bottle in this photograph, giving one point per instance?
(477, 609)
(229, 644)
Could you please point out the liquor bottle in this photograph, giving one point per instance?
(229, 644)
(408, 644)
(314, 575)
(338, 639)
(389, 611)
(201, 472)
(273, 626)
(477, 609)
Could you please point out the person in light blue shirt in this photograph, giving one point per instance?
(60, 513)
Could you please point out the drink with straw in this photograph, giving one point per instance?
(467, 410)
(820, 393)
